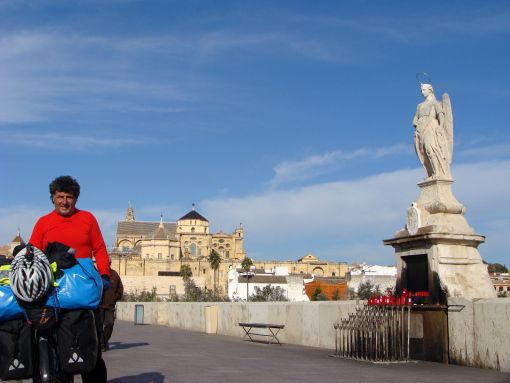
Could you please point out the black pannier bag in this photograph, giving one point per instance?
(15, 350)
(77, 341)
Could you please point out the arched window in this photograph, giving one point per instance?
(193, 249)
(192, 229)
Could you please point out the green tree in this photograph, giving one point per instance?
(367, 289)
(318, 295)
(497, 268)
(269, 294)
(214, 261)
(246, 265)
(185, 272)
(193, 293)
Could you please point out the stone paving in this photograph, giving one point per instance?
(157, 354)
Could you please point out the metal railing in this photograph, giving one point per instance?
(377, 332)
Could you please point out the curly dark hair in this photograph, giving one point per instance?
(66, 184)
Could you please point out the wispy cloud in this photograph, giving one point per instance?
(412, 28)
(59, 141)
(19, 216)
(314, 165)
(485, 152)
(46, 73)
(220, 42)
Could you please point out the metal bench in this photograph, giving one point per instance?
(271, 335)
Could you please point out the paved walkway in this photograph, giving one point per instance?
(157, 354)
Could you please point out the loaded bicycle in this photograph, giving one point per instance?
(47, 326)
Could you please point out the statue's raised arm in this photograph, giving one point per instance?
(433, 135)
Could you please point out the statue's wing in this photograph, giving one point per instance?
(448, 124)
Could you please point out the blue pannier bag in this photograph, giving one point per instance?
(9, 308)
(79, 288)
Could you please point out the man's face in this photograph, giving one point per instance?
(65, 203)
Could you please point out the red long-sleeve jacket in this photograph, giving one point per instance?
(79, 231)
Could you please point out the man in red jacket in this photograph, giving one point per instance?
(77, 229)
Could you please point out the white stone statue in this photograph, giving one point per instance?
(433, 135)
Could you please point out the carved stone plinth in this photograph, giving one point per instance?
(454, 265)
(437, 231)
(436, 211)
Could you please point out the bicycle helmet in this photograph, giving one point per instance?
(30, 275)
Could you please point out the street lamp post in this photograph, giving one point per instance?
(248, 275)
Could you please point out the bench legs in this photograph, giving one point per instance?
(270, 337)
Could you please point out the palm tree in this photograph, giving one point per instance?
(215, 261)
(246, 264)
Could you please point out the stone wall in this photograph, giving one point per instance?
(136, 284)
(296, 316)
(479, 332)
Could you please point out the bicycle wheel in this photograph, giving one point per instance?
(57, 376)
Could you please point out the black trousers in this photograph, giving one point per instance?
(99, 373)
(108, 317)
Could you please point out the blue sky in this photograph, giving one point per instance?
(292, 117)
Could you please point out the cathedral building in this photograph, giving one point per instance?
(188, 238)
(158, 250)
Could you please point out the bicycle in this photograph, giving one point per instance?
(58, 338)
(47, 366)
(64, 347)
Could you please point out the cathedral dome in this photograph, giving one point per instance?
(193, 215)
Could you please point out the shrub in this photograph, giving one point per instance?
(367, 289)
(268, 294)
(142, 296)
(318, 295)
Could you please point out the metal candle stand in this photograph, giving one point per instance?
(379, 331)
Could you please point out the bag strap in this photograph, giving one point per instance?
(4, 275)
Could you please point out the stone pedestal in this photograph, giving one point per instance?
(438, 250)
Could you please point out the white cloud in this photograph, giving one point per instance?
(219, 42)
(45, 73)
(22, 217)
(484, 152)
(315, 165)
(336, 208)
(66, 141)
(347, 215)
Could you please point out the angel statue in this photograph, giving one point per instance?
(433, 134)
